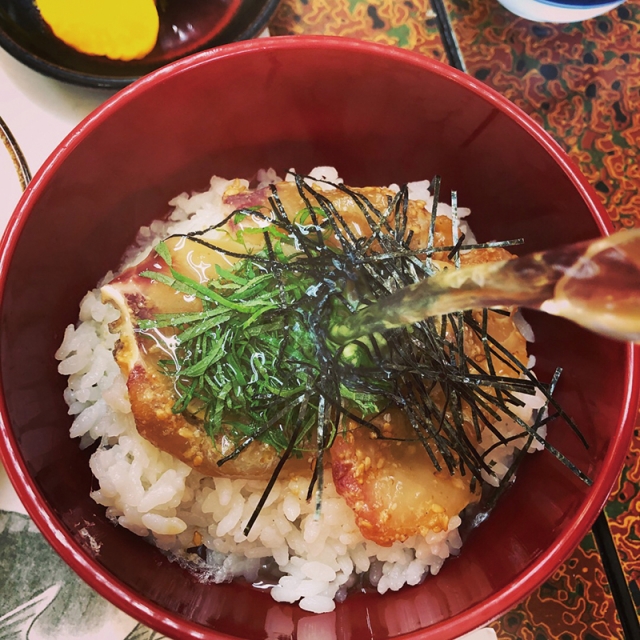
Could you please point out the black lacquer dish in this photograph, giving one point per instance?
(186, 26)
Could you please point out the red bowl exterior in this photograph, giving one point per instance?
(380, 115)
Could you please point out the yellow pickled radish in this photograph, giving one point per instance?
(117, 29)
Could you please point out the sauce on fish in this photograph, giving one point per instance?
(391, 482)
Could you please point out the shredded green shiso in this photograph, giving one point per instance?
(261, 361)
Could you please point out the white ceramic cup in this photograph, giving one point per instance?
(560, 11)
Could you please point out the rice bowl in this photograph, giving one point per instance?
(166, 134)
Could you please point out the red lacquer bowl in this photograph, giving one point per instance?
(380, 115)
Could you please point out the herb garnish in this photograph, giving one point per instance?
(260, 362)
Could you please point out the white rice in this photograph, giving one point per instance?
(153, 494)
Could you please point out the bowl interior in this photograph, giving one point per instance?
(380, 116)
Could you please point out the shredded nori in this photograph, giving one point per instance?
(260, 361)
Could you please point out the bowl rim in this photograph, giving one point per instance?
(98, 577)
(579, 4)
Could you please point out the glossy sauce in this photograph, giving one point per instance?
(601, 291)
(595, 284)
(393, 486)
(187, 25)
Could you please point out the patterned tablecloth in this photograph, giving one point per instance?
(581, 82)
